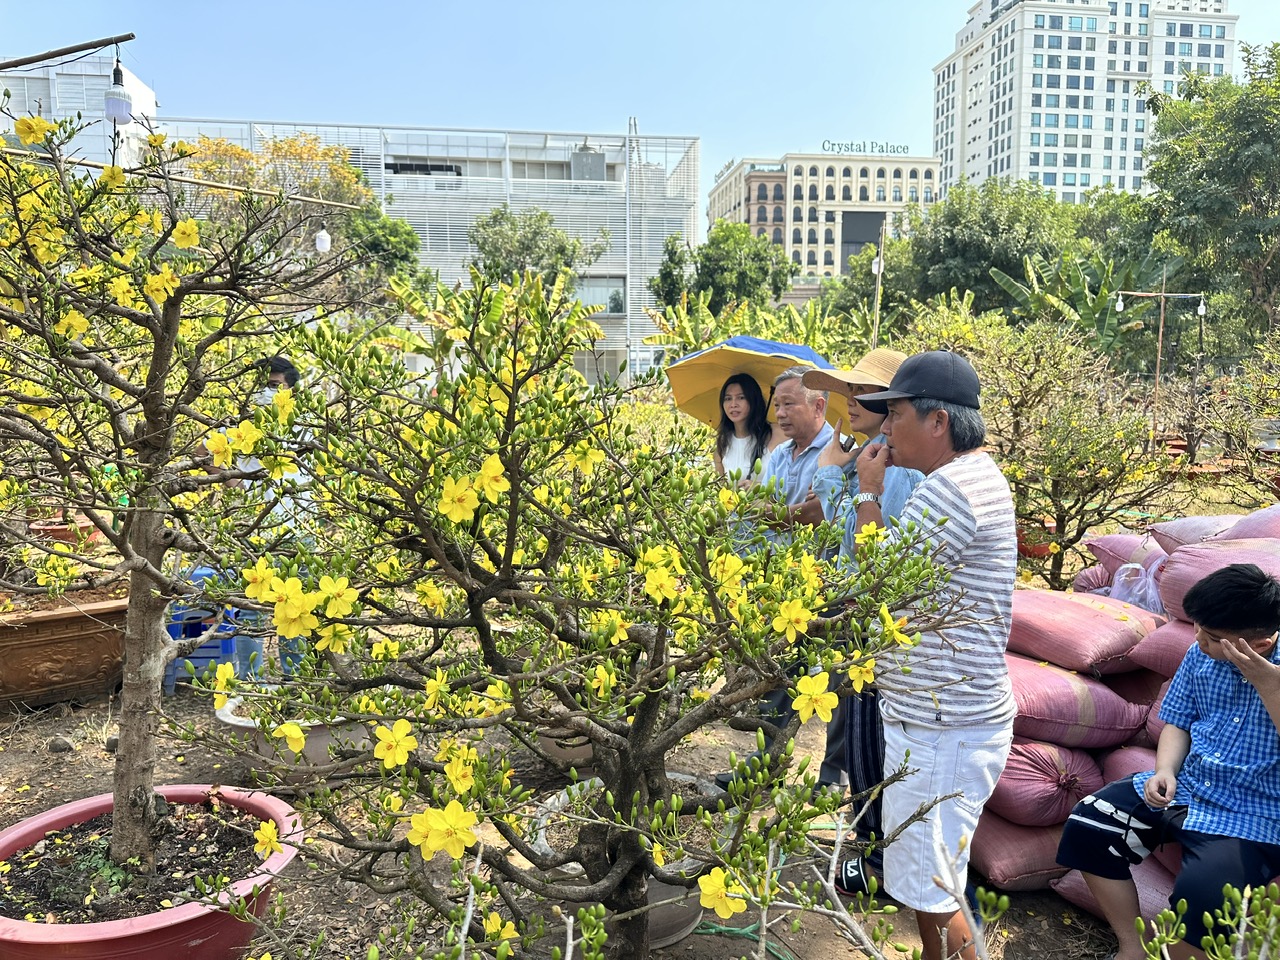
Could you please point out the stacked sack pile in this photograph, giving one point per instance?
(1088, 673)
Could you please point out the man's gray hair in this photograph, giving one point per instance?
(967, 428)
(797, 373)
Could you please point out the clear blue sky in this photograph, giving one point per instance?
(743, 75)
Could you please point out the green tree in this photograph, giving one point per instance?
(1214, 157)
(732, 266)
(954, 243)
(511, 242)
(853, 292)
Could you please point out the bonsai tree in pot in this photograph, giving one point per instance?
(508, 551)
(128, 331)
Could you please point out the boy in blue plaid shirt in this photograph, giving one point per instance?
(1216, 785)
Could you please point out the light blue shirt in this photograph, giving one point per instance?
(835, 491)
(792, 476)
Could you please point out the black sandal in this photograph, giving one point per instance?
(852, 878)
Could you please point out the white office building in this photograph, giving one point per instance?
(638, 188)
(80, 86)
(1050, 90)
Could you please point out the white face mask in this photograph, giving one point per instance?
(264, 396)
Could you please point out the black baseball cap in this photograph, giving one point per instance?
(936, 375)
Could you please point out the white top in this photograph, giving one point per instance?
(961, 678)
(737, 459)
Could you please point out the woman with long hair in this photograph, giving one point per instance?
(745, 435)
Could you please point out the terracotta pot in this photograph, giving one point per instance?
(81, 530)
(1031, 539)
(68, 653)
(192, 931)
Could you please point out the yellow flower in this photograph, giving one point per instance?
(893, 628)
(122, 290)
(718, 895)
(385, 649)
(258, 579)
(1055, 547)
(792, 618)
(111, 177)
(603, 681)
(244, 438)
(156, 140)
(495, 929)
(225, 673)
(461, 775)
(660, 584)
(431, 597)
(334, 636)
(293, 611)
(611, 624)
(32, 130)
(862, 674)
(72, 324)
(186, 233)
(585, 457)
(729, 499)
(279, 466)
(339, 596)
(492, 480)
(870, 533)
(448, 830)
(284, 402)
(458, 501)
(814, 697)
(395, 743)
(292, 734)
(219, 448)
(659, 855)
(268, 837)
(161, 286)
(436, 686)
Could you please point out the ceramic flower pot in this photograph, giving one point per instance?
(323, 742)
(192, 931)
(68, 653)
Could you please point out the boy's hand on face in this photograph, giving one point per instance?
(1257, 669)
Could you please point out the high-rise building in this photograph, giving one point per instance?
(822, 207)
(639, 189)
(1054, 90)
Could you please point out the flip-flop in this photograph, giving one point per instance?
(851, 878)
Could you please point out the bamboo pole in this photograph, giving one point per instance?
(63, 51)
(177, 178)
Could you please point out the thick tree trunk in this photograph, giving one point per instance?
(135, 814)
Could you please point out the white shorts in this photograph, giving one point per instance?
(942, 760)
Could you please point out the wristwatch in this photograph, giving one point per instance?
(862, 498)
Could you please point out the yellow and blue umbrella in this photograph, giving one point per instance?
(697, 378)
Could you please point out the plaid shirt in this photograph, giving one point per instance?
(1230, 780)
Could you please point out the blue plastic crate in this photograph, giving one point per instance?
(186, 622)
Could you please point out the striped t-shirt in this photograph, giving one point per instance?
(961, 677)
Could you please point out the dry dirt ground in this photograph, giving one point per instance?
(35, 774)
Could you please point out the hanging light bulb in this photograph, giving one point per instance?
(323, 240)
(118, 103)
(1200, 310)
(1119, 303)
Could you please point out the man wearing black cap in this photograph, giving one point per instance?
(946, 702)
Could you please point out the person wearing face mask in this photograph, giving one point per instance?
(283, 526)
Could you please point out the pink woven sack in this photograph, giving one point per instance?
(1127, 761)
(1163, 649)
(1154, 883)
(1012, 857)
(1172, 534)
(1264, 523)
(1114, 550)
(1042, 782)
(1192, 563)
(1058, 706)
(1078, 631)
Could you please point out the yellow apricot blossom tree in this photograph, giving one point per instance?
(128, 330)
(506, 561)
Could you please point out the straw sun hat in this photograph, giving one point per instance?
(876, 368)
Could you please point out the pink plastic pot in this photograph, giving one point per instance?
(192, 931)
